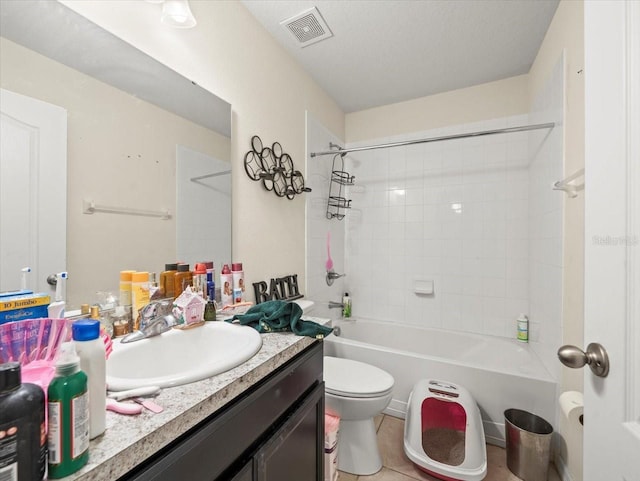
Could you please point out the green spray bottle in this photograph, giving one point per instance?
(68, 413)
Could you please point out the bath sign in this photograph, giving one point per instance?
(280, 288)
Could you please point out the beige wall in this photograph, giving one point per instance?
(230, 54)
(501, 98)
(566, 34)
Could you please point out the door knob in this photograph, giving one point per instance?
(595, 356)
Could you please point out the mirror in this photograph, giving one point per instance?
(141, 141)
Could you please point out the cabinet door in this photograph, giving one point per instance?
(245, 474)
(295, 452)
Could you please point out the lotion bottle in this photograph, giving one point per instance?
(90, 349)
(68, 415)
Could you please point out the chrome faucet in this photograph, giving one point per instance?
(332, 276)
(154, 327)
(335, 305)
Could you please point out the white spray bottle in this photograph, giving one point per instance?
(56, 309)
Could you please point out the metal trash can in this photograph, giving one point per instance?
(528, 440)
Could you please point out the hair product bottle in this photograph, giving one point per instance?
(90, 349)
(23, 446)
(226, 286)
(167, 280)
(238, 282)
(211, 281)
(183, 278)
(68, 413)
(200, 279)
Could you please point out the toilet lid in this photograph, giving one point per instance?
(344, 377)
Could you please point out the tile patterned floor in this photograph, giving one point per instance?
(397, 467)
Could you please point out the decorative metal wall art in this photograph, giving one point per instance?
(274, 168)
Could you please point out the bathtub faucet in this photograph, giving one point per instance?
(335, 305)
(332, 276)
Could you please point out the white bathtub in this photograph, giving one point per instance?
(500, 373)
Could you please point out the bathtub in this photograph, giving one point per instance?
(500, 373)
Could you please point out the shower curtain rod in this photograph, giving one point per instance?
(507, 130)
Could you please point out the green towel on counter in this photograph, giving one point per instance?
(280, 316)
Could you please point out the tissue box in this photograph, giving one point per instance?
(331, 427)
(18, 305)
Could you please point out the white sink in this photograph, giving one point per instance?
(179, 356)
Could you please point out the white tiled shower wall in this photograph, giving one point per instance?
(453, 212)
(318, 173)
(476, 216)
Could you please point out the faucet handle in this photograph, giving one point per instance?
(332, 276)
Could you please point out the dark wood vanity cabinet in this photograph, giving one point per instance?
(273, 432)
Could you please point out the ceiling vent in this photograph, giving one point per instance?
(307, 27)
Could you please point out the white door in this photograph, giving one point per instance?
(612, 238)
(33, 190)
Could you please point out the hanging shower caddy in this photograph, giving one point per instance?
(337, 204)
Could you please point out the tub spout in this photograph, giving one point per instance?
(335, 305)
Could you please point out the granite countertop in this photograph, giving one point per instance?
(129, 440)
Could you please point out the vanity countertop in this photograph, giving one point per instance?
(129, 440)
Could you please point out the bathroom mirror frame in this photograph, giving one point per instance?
(98, 246)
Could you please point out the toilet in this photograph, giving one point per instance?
(356, 392)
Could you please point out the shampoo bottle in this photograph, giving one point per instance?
(346, 305)
(226, 285)
(68, 415)
(23, 445)
(90, 349)
(523, 328)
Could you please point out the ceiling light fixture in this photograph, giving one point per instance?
(176, 13)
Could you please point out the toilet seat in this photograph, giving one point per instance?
(348, 378)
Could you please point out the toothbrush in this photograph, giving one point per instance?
(329, 264)
(56, 309)
(23, 282)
